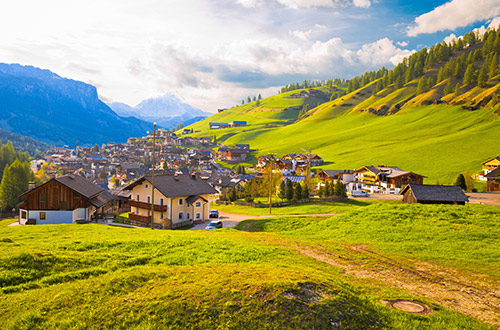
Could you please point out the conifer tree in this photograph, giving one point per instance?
(297, 193)
(282, 192)
(430, 83)
(422, 85)
(448, 88)
(470, 75)
(482, 79)
(289, 190)
(456, 92)
(305, 192)
(339, 189)
(493, 69)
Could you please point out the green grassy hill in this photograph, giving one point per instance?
(387, 120)
(293, 273)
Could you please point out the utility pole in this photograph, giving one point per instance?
(153, 178)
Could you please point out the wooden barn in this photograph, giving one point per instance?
(433, 194)
(63, 200)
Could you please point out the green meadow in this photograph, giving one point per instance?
(272, 273)
(437, 141)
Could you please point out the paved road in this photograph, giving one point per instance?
(231, 220)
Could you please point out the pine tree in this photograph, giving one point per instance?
(460, 181)
(448, 88)
(440, 76)
(321, 191)
(339, 189)
(289, 190)
(482, 79)
(493, 66)
(456, 92)
(259, 97)
(422, 85)
(297, 193)
(470, 75)
(399, 82)
(305, 192)
(430, 83)
(282, 192)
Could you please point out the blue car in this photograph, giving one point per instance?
(214, 224)
(213, 214)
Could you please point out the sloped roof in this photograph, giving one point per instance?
(493, 174)
(80, 185)
(332, 173)
(174, 186)
(489, 160)
(436, 193)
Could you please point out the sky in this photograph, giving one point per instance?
(214, 53)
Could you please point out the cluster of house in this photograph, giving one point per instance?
(491, 173)
(236, 154)
(374, 179)
(236, 123)
(291, 164)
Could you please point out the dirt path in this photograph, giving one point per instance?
(474, 295)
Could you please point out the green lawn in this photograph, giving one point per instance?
(93, 276)
(305, 208)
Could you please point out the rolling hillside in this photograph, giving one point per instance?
(391, 119)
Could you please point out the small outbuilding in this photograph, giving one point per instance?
(433, 194)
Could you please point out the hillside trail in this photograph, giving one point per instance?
(476, 295)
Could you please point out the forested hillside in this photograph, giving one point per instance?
(435, 113)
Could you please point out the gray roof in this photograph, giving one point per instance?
(174, 186)
(434, 193)
(332, 173)
(494, 174)
(80, 185)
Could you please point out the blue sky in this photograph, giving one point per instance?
(213, 53)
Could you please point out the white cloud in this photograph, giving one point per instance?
(250, 3)
(381, 52)
(361, 3)
(450, 38)
(494, 23)
(454, 14)
(402, 43)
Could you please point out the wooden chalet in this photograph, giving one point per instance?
(493, 180)
(329, 175)
(385, 178)
(64, 199)
(432, 194)
(488, 166)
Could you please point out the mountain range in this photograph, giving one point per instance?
(44, 106)
(167, 110)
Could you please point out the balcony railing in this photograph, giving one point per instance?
(147, 206)
(143, 218)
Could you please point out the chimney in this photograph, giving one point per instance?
(31, 185)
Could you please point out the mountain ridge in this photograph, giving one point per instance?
(40, 104)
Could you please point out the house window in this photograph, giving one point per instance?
(198, 215)
(43, 197)
(198, 204)
(188, 216)
(181, 215)
(149, 199)
(137, 197)
(181, 201)
(23, 214)
(161, 201)
(146, 186)
(136, 210)
(161, 216)
(43, 215)
(62, 205)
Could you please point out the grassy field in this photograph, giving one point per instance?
(436, 141)
(275, 273)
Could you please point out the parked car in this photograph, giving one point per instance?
(359, 193)
(214, 224)
(213, 214)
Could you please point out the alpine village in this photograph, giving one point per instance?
(363, 203)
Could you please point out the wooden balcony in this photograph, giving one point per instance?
(142, 218)
(147, 206)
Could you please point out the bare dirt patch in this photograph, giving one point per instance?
(478, 297)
